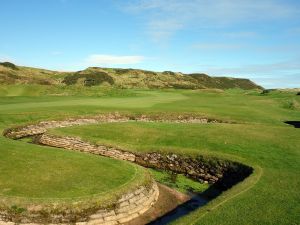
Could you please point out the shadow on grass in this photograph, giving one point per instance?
(296, 124)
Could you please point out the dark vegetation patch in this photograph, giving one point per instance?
(13, 76)
(267, 91)
(90, 79)
(226, 83)
(119, 71)
(298, 93)
(43, 82)
(168, 73)
(9, 65)
(222, 82)
(8, 77)
(122, 71)
(184, 86)
(147, 72)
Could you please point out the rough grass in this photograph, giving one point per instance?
(120, 78)
(260, 139)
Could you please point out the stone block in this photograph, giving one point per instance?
(109, 213)
(97, 216)
(110, 218)
(131, 217)
(122, 204)
(143, 210)
(81, 223)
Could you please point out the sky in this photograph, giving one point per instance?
(255, 39)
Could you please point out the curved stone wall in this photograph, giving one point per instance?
(41, 127)
(210, 170)
(77, 144)
(128, 207)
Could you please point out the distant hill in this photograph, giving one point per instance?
(121, 78)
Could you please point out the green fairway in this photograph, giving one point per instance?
(258, 138)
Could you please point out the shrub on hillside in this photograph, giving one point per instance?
(122, 71)
(184, 86)
(267, 91)
(9, 65)
(43, 82)
(90, 79)
(168, 73)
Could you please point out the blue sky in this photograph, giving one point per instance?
(256, 39)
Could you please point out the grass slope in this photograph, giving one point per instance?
(259, 139)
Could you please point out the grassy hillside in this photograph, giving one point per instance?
(259, 138)
(120, 78)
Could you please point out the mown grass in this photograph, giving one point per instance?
(41, 172)
(260, 139)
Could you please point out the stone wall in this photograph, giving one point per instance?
(77, 144)
(223, 174)
(128, 207)
(212, 170)
(41, 127)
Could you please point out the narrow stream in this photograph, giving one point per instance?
(199, 194)
(196, 202)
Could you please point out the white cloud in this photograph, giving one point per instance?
(171, 16)
(218, 10)
(271, 68)
(241, 34)
(98, 59)
(163, 29)
(246, 47)
(56, 53)
(216, 46)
